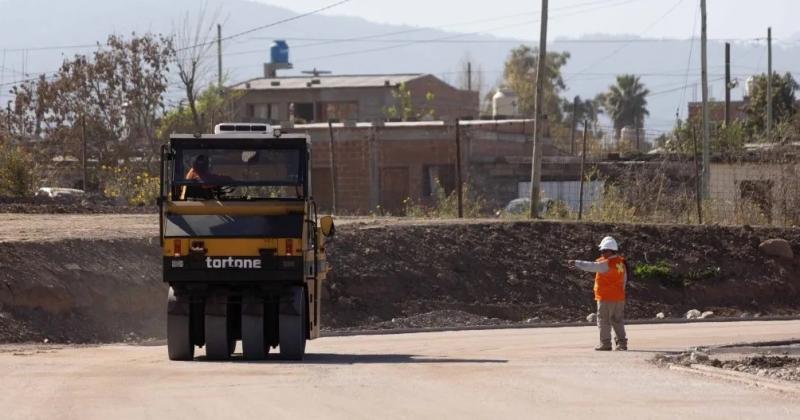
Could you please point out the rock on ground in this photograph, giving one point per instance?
(780, 248)
(693, 314)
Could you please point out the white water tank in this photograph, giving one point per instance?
(749, 85)
(505, 103)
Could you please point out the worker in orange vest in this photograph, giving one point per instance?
(611, 276)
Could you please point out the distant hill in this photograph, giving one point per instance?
(33, 24)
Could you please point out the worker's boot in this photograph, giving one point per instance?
(622, 345)
(604, 346)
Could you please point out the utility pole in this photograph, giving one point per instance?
(459, 182)
(727, 83)
(469, 76)
(769, 83)
(636, 127)
(536, 161)
(583, 166)
(83, 149)
(332, 156)
(219, 57)
(706, 134)
(574, 122)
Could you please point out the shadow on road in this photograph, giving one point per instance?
(353, 359)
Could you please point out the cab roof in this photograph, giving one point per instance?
(240, 140)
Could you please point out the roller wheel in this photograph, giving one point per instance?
(254, 343)
(179, 338)
(219, 340)
(291, 326)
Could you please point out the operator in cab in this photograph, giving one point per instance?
(199, 172)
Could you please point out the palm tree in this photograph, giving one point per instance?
(586, 109)
(626, 103)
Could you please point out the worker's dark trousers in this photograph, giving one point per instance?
(611, 314)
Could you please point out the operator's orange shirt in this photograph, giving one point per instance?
(610, 286)
(192, 175)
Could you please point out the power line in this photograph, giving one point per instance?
(651, 26)
(684, 86)
(689, 63)
(269, 25)
(450, 37)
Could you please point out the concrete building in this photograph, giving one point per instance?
(716, 110)
(320, 98)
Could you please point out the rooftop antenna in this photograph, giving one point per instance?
(316, 72)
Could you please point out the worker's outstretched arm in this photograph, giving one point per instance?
(591, 266)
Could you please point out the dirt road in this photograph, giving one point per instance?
(533, 373)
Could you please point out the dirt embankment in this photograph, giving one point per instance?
(517, 271)
(81, 290)
(388, 275)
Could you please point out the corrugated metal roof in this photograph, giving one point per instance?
(327, 81)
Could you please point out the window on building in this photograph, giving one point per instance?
(439, 176)
(758, 194)
(337, 111)
(261, 113)
(264, 113)
(304, 111)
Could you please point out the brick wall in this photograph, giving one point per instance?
(378, 165)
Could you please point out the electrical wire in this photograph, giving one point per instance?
(689, 63)
(647, 29)
(269, 25)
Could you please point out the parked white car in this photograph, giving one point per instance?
(521, 206)
(54, 192)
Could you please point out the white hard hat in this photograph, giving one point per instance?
(609, 243)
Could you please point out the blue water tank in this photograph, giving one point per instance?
(279, 51)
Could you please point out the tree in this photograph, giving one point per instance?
(193, 42)
(626, 103)
(520, 75)
(587, 109)
(783, 101)
(404, 108)
(724, 139)
(116, 93)
(213, 102)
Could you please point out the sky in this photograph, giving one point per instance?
(729, 19)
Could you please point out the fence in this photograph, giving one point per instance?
(384, 168)
(758, 186)
(413, 168)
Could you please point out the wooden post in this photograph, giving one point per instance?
(727, 84)
(332, 157)
(706, 117)
(459, 183)
(583, 166)
(83, 150)
(536, 159)
(769, 84)
(574, 122)
(698, 194)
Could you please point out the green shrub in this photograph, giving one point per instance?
(446, 205)
(132, 186)
(16, 172)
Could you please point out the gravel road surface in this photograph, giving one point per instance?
(496, 374)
